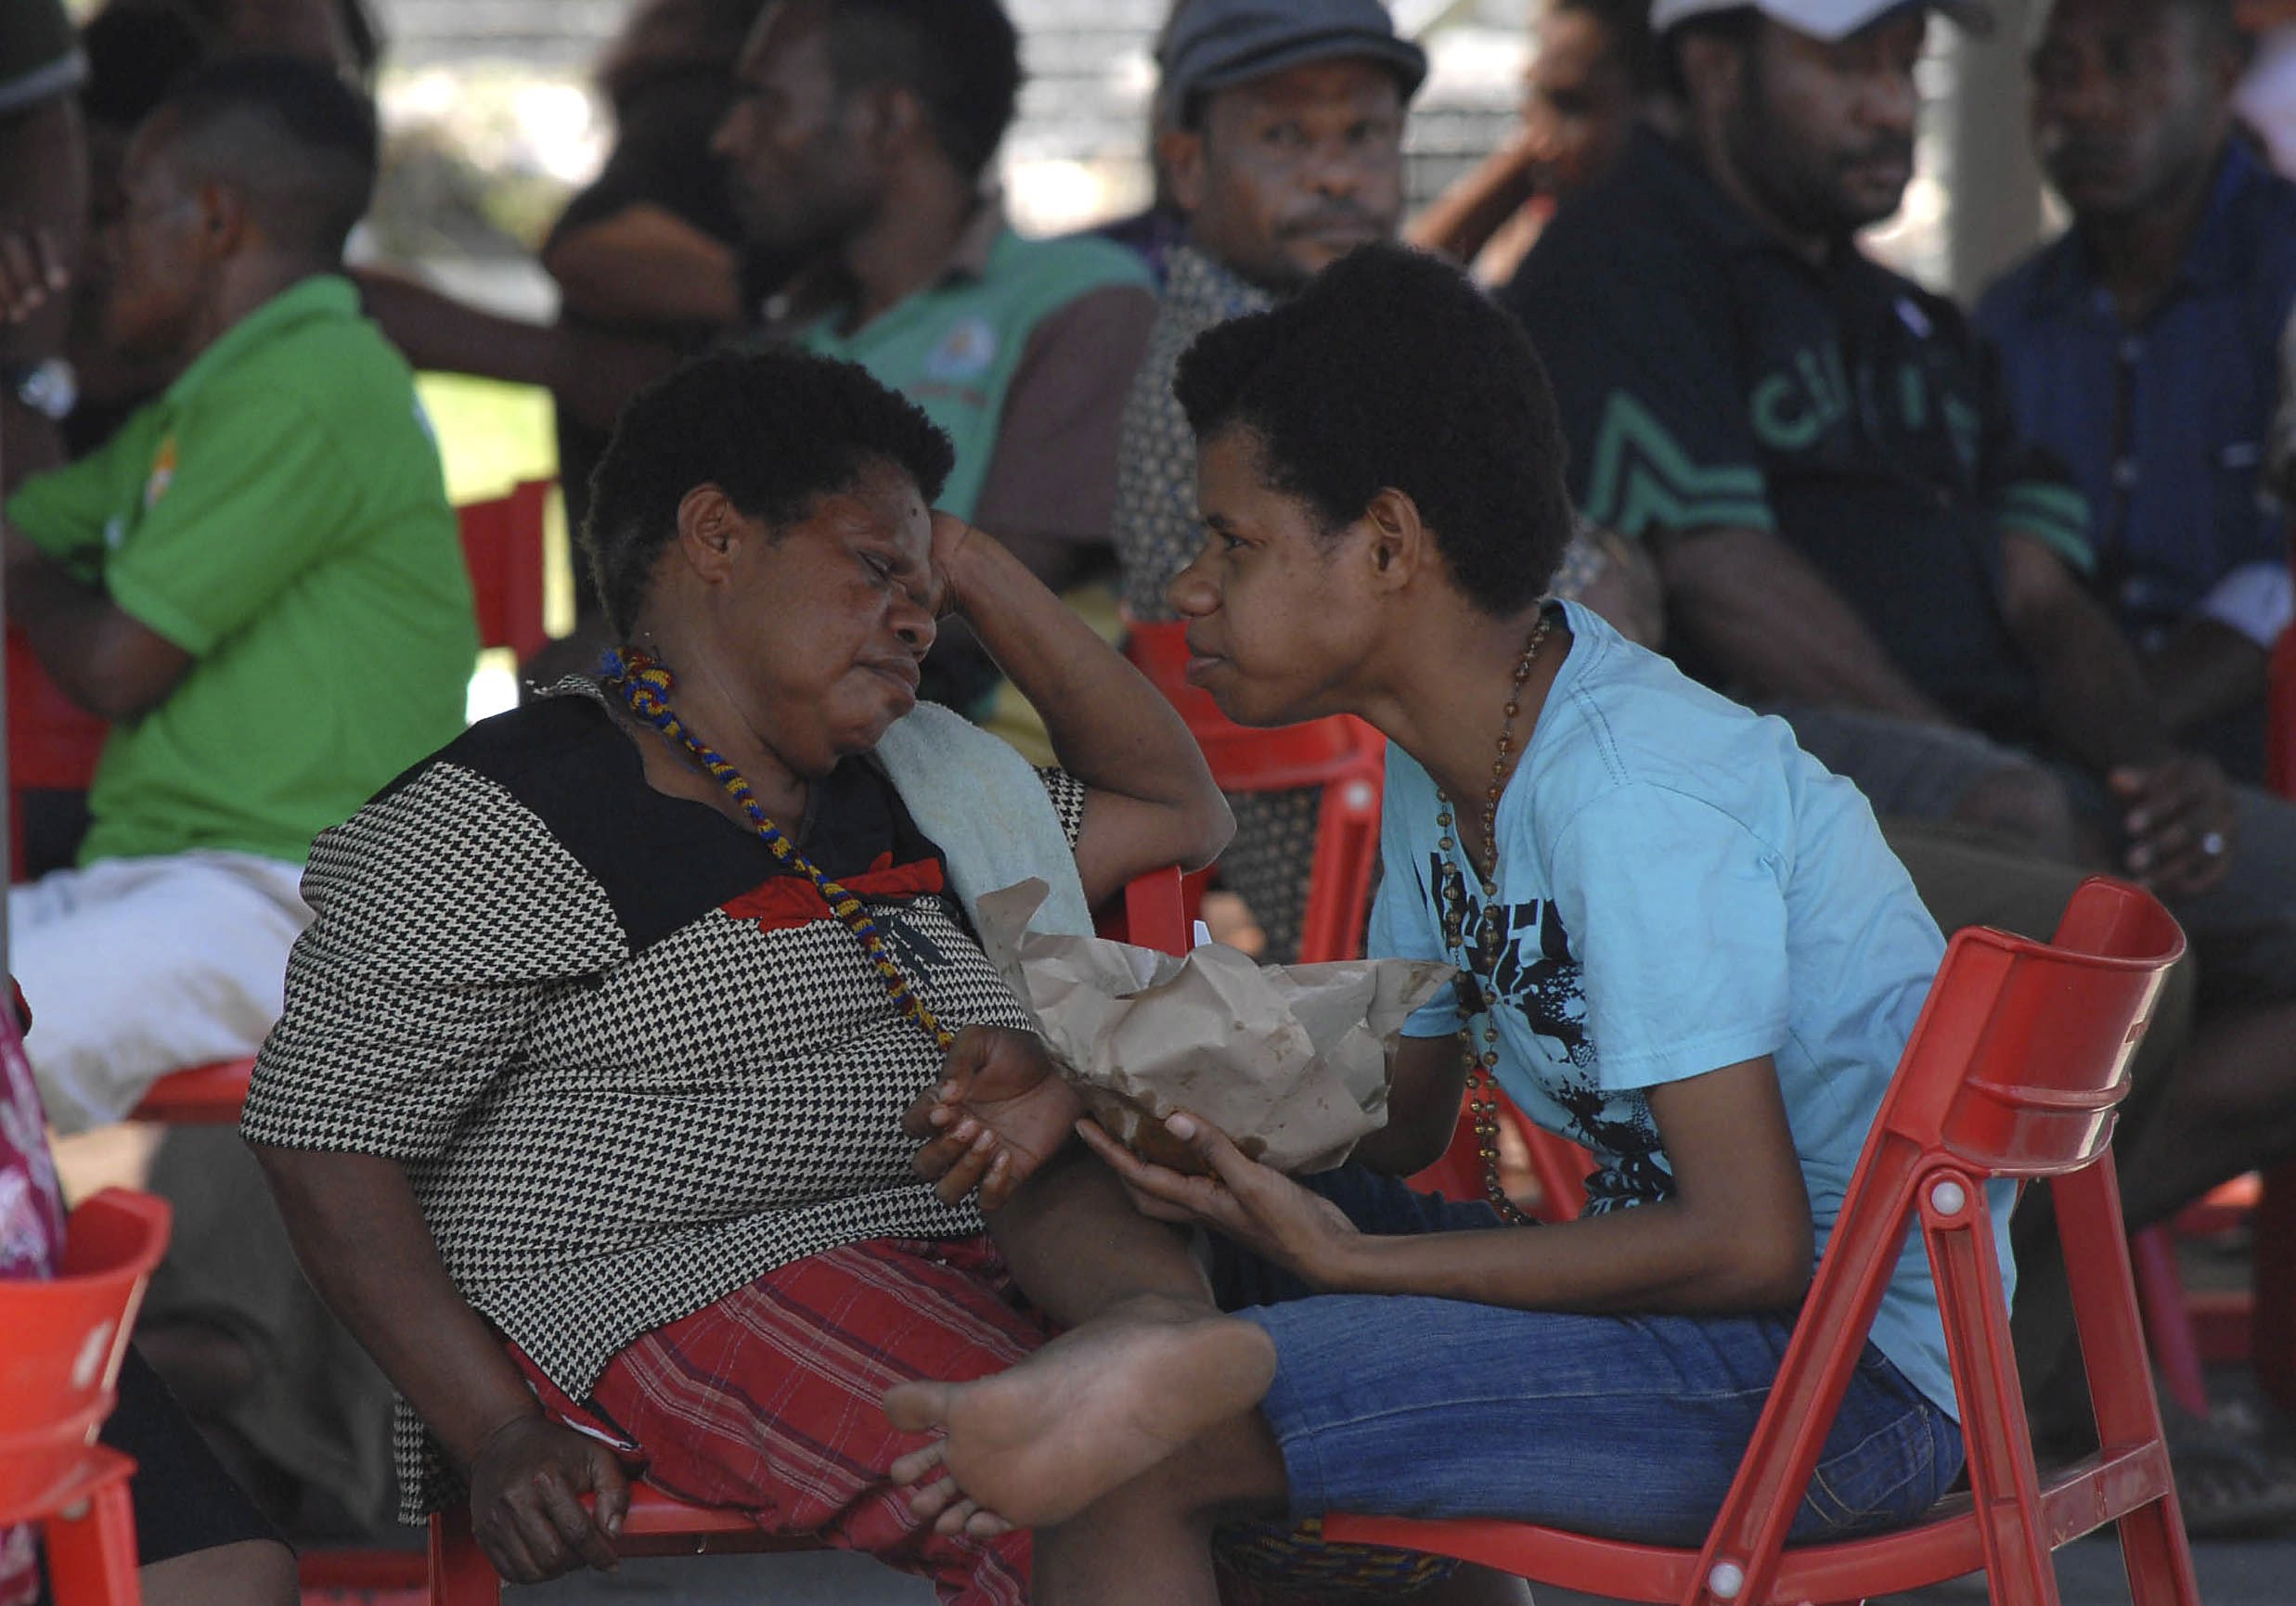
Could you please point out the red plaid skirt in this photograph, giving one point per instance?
(766, 1402)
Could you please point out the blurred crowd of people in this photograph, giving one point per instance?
(2017, 569)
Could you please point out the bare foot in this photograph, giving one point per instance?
(1086, 1414)
(949, 1510)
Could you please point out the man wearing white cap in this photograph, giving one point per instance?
(1821, 456)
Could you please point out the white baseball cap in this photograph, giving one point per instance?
(1827, 20)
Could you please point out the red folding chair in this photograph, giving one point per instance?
(2013, 1070)
(53, 742)
(2258, 1326)
(502, 546)
(61, 1343)
(1557, 1164)
(1152, 916)
(1342, 755)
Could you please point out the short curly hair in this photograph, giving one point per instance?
(774, 430)
(1391, 371)
(962, 59)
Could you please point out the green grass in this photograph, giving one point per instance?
(491, 435)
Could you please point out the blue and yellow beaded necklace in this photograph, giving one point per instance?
(645, 685)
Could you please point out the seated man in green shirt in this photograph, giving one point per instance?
(863, 144)
(257, 581)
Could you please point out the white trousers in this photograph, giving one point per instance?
(134, 968)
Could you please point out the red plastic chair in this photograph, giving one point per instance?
(61, 1343)
(2013, 1070)
(1558, 1165)
(502, 541)
(2259, 1326)
(53, 742)
(1342, 754)
(1151, 915)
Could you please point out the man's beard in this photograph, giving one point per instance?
(1808, 195)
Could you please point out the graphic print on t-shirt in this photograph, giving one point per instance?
(1518, 955)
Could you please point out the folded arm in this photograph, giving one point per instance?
(100, 656)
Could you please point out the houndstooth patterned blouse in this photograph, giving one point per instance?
(629, 1062)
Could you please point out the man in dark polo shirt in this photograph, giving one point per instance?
(1821, 456)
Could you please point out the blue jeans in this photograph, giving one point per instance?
(1625, 1426)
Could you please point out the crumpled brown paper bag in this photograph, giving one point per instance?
(1290, 1060)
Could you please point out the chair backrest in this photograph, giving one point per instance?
(502, 543)
(1245, 758)
(53, 742)
(2013, 1069)
(2022, 1049)
(61, 1343)
(1152, 913)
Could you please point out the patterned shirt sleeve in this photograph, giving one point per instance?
(444, 914)
(1067, 794)
(1155, 526)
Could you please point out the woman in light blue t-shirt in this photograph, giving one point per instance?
(1682, 942)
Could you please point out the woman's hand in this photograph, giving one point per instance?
(952, 542)
(1254, 1207)
(526, 1484)
(999, 1111)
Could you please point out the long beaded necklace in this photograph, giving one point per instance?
(645, 684)
(1483, 1065)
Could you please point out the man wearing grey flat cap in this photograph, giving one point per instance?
(1280, 139)
(1822, 457)
(1280, 136)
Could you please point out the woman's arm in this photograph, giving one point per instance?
(362, 1242)
(1737, 1235)
(1151, 800)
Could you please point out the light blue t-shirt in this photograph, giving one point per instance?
(1681, 888)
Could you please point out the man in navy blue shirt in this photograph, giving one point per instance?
(2140, 347)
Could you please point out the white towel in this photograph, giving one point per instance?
(985, 808)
